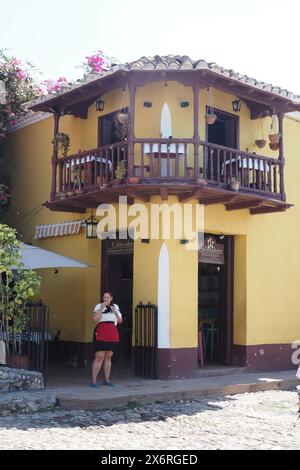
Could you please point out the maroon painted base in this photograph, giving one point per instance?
(183, 362)
(177, 363)
(263, 357)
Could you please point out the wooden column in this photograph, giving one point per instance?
(131, 137)
(281, 156)
(56, 117)
(196, 90)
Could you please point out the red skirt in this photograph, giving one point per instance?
(107, 332)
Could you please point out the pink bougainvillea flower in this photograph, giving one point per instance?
(21, 75)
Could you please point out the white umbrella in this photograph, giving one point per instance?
(34, 257)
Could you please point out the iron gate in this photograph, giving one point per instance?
(145, 334)
(37, 337)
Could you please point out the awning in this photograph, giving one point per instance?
(58, 230)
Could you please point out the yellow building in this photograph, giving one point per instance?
(188, 133)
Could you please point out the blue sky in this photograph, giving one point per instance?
(258, 37)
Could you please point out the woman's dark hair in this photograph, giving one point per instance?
(107, 292)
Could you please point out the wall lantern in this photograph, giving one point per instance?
(184, 104)
(147, 104)
(91, 227)
(236, 105)
(100, 105)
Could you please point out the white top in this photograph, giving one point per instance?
(110, 316)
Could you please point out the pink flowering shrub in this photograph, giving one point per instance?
(95, 63)
(53, 86)
(17, 87)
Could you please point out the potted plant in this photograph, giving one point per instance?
(16, 286)
(61, 144)
(133, 180)
(61, 195)
(77, 185)
(274, 145)
(260, 143)
(210, 114)
(120, 172)
(210, 117)
(234, 184)
(274, 135)
(122, 117)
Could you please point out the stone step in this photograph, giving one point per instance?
(19, 379)
(25, 402)
(219, 371)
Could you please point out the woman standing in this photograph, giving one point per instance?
(106, 337)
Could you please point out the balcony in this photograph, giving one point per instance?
(188, 168)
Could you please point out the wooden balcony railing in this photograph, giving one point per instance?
(178, 160)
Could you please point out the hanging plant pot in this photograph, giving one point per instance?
(274, 138)
(274, 145)
(211, 118)
(274, 135)
(260, 143)
(122, 117)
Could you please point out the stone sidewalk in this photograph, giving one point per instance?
(135, 390)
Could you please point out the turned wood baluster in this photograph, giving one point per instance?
(248, 172)
(186, 160)
(177, 161)
(225, 166)
(211, 164)
(142, 160)
(60, 177)
(159, 159)
(218, 165)
(265, 175)
(106, 162)
(151, 161)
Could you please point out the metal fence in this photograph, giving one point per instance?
(37, 337)
(145, 334)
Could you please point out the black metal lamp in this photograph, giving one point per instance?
(91, 227)
(236, 105)
(100, 105)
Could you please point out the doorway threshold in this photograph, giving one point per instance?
(217, 370)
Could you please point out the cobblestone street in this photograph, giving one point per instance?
(263, 420)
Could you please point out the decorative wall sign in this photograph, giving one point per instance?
(212, 252)
(119, 247)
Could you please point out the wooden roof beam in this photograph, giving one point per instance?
(268, 210)
(134, 194)
(191, 195)
(219, 200)
(245, 205)
(164, 194)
